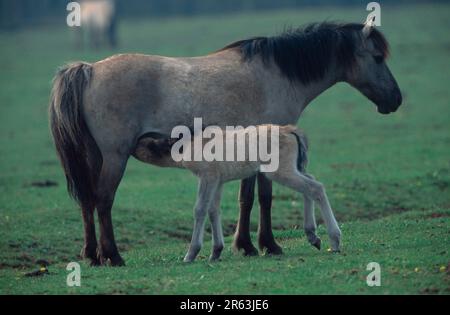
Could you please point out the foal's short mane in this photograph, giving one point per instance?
(305, 54)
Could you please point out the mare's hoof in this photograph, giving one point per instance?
(334, 251)
(274, 250)
(247, 248)
(90, 253)
(117, 261)
(113, 261)
(214, 259)
(252, 251)
(270, 247)
(94, 262)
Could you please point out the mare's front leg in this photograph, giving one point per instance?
(265, 235)
(242, 239)
(206, 193)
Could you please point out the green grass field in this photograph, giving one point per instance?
(387, 176)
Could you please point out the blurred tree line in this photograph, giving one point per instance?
(18, 13)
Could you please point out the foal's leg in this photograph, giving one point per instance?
(205, 198)
(216, 226)
(242, 239)
(309, 221)
(316, 191)
(265, 235)
(89, 249)
(110, 176)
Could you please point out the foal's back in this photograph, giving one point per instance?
(291, 144)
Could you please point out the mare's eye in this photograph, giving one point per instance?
(378, 59)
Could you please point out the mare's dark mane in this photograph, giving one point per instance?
(305, 54)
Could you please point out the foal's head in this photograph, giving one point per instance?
(370, 73)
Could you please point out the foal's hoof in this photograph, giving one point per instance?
(317, 243)
(215, 254)
(188, 260)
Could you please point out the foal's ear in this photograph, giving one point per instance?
(368, 26)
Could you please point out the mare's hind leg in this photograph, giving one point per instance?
(110, 176)
(265, 235)
(242, 239)
(89, 250)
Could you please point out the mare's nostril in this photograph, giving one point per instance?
(399, 99)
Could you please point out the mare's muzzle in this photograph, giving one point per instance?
(392, 105)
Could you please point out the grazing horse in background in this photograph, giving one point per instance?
(100, 111)
(98, 24)
(292, 160)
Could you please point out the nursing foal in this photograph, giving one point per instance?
(292, 148)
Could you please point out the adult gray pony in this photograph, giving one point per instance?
(100, 111)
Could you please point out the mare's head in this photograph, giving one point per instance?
(369, 72)
(352, 52)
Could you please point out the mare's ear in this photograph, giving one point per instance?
(368, 26)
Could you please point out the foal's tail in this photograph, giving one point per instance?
(302, 158)
(76, 148)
